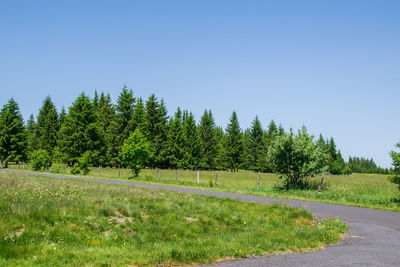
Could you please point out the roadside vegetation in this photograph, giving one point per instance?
(358, 189)
(53, 222)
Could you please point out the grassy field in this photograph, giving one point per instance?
(362, 190)
(52, 222)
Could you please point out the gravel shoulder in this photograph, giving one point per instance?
(373, 239)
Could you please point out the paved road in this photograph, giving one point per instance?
(373, 239)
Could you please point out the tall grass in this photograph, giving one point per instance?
(362, 190)
(52, 222)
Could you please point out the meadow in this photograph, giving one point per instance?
(359, 189)
(56, 222)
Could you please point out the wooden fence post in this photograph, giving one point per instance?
(198, 177)
(67, 168)
(258, 183)
(98, 171)
(216, 178)
(320, 185)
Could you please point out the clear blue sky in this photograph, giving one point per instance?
(331, 65)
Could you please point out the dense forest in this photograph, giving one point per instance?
(97, 128)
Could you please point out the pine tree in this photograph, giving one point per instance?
(47, 127)
(191, 148)
(95, 100)
(155, 130)
(256, 154)
(79, 132)
(30, 130)
(13, 138)
(107, 128)
(62, 116)
(138, 116)
(124, 111)
(175, 141)
(221, 159)
(208, 141)
(234, 143)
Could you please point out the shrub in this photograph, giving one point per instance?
(297, 157)
(75, 169)
(395, 175)
(136, 152)
(40, 159)
(84, 162)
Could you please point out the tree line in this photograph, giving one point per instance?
(94, 129)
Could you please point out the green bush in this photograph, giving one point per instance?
(84, 162)
(136, 152)
(296, 158)
(40, 159)
(75, 169)
(395, 175)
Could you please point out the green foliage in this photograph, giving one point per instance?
(208, 141)
(84, 162)
(79, 132)
(46, 127)
(175, 141)
(256, 156)
(40, 159)
(124, 111)
(234, 143)
(136, 152)
(13, 136)
(75, 169)
(191, 141)
(363, 165)
(155, 130)
(395, 175)
(296, 158)
(347, 170)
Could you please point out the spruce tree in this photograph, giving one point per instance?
(234, 143)
(124, 111)
(125, 108)
(30, 130)
(155, 130)
(221, 159)
(208, 141)
(13, 137)
(107, 129)
(79, 132)
(62, 116)
(175, 141)
(47, 127)
(256, 153)
(191, 148)
(138, 116)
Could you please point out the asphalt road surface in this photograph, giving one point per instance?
(373, 239)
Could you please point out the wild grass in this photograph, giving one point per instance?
(362, 190)
(53, 222)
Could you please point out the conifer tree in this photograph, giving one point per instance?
(256, 153)
(13, 138)
(155, 130)
(175, 142)
(191, 148)
(47, 127)
(107, 129)
(208, 141)
(79, 132)
(221, 159)
(138, 116)
(30, 130)
(124, 108)
(234, 143)
(61, 118)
